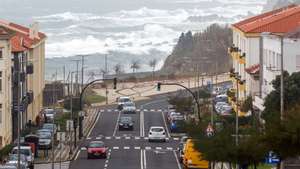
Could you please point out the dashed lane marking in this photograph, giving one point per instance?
(127, 138)
(137, 148)
(126, 148)
(169, 148)
(158, 148)
(148, 148)
(118, 138)
(116, 148)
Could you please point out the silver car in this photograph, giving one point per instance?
(129, 107)
(13, 160)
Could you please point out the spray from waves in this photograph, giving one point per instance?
(136, 42)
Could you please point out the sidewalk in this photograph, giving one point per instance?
(62, 154)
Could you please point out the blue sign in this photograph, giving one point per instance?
(272, 158)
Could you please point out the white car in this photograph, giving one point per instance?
(49, 113)
(157, 133)
(128, 107)
(122, 100)
(220, 104)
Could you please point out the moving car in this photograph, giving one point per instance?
(13, 160)
(50, 127)
(26, 151)
(45, 139)
(122, 100)
(192, 157)
(125, 123)
(128, 107)
(177, 124)
(96, 149)
(157, 133)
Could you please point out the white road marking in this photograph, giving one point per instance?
(169, 148)
(152, 110)
(101, 110)
(159, 110)
(145, 163)
(142, 161)
(118, 138)
(98, 138)
(89, 138)
(146, 138)
(105, 165)
(127, 138)
(98, 116)
(177, 161)
(148, 148)
(108, 110)
(116, 127)
(158, 148)
(142, 124)
(83, 148)
(107, 138)
(77, 154)
(116, 148)
(176, 138)
(165, 123)
(126, 148)
(116, 110)
(137, 148)
(137, 138)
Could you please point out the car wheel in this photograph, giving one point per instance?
(31, 167)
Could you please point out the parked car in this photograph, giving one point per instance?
(171, 108)
(13, 160)
(176, 124)
(221, 98)
(96, 149)
(157, 133)
(122, 100)
(224, 110)
(50, 114)
(50, 127)
(129, 107)
(12, 166)
(220, 104)
(125, 122)
(25, 150)
(181, 146)
(45, 139)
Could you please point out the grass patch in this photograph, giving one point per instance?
(91, 97)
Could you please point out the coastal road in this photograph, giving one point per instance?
(131, 149)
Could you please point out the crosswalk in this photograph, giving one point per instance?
(126, 138)
(157, 148)
(138, 110)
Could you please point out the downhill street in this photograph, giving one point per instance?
(131, 149)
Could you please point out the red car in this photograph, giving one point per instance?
(96, 149)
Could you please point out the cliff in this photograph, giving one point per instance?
(203, 52)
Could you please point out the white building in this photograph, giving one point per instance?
(272, 60)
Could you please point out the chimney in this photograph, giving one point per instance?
(34, 30)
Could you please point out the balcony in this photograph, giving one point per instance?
(242, 58)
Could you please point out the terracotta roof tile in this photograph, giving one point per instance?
(21, 39)
(281, 20)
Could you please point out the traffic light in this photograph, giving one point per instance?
(115, 83)
(158, 86)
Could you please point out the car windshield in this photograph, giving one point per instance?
(125, 119)
(49, 111)
(96, 144)
(124, 100)
(23, 151)
(129, 104)
(48, 126)
(157, 129)
(44, 135)
(14, 157)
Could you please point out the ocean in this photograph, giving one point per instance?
(122, 30)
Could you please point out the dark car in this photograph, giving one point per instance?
(96, 149)
(125, 123)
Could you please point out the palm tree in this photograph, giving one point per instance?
(117, 69)
(135, 65)
(153, 63)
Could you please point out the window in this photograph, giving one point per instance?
(298, 62)
(0, 113)
(1, 53)
(0, 81)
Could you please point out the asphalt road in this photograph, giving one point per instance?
(131, 149)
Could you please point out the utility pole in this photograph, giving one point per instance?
(237, 114)
(82, 71)
(19, 119)
(76, 77)
(281, 89)
(53, 104)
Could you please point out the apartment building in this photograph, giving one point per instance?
(26, 55)
(247, 50)
(5, 85)
(271, 62)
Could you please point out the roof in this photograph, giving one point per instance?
(281, 20)
(254, 69)
(295, 34)
(21, 40)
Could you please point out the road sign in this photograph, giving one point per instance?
(209, 130)
(272, 158)
(70, 125)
